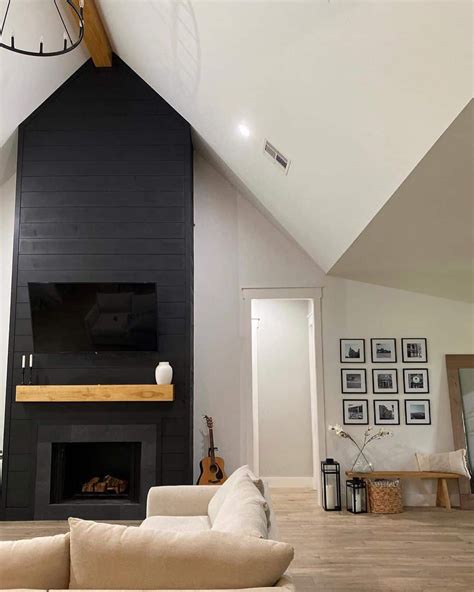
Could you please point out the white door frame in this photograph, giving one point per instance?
(249, 416)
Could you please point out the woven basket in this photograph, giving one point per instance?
(385, 496)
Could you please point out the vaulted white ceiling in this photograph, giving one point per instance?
(354, 93)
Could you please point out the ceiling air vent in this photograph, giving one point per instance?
(281, 161)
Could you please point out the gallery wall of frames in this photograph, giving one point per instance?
(400, 395)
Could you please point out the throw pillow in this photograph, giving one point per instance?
(218, 499)
(445, 462)
(243, 510)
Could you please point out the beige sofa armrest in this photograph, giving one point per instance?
(179, 500)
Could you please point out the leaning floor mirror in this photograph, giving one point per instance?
(460, 370)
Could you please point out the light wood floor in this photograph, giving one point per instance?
(423, 549)
(420, 550)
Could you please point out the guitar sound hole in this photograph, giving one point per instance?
(214, 469)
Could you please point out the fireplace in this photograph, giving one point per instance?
(94, 471)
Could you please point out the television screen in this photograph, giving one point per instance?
(93, 317)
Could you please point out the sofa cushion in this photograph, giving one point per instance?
(218, 499)
(112, 557)
(243, 510)
(177, 523)
(47, 559)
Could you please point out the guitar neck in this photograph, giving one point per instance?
(211, 445)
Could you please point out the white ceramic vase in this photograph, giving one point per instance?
(164, 373)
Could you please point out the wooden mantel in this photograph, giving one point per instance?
(93, 393)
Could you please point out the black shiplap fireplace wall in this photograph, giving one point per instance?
(104, 193)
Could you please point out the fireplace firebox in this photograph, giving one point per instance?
(95, 471)
(99, 471)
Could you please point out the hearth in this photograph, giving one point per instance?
(99, 471)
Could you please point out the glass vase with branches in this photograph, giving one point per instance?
(369, 436)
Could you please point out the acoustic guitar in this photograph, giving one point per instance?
(212, 466)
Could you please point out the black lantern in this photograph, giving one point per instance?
(356, 496)
(331, 485)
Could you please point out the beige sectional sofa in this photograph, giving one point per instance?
(186, 507)
(194, 538)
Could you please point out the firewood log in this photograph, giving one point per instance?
(107, 484)
(115, 485)
(100, 487)
(89, 486)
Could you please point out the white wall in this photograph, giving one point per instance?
(267, 258)
(7, 212)
(216, 316)
(284, 404)
(353, 309)
(235, 247)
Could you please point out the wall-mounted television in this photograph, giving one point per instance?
(83, 317)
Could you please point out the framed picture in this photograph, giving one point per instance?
(417, 412)
(385, 381)
(384, 350)
(414, 350)
(416, 380)
(387, 412)
(352, 351)
(353, 380)
(355, 412)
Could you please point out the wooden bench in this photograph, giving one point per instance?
(442, 493)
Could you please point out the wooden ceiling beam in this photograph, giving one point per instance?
(95, 35)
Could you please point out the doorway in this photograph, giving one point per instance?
(282, 381)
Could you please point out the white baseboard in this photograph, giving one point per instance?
(304, 482)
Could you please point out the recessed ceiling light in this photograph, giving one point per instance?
(244, 130)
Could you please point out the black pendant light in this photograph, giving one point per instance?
(68, 43)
